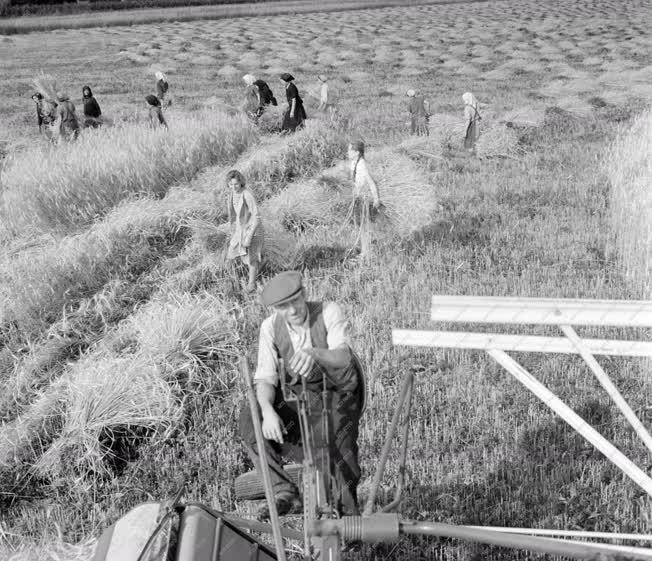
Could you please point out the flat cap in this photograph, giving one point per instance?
(282, 288)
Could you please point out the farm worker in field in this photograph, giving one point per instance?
(472, 119)
(266, 95)
(363, 185)
(252, 99)
(246, 241)
(38, 100)
(156, 117)
(162, 87)
(419, 110)
(313, 339)
(92, 111)
(326, 98)
(295, 115)
(66, 124)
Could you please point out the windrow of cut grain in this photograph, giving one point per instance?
(629, 168)
(271, 164)
(133, 383)
(63, 188)
(37, 286)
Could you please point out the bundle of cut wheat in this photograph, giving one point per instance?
(524, 116)
(46, 85)
(303, 206)
(185, 334)
(280, 248)
(107, 396)
(498, 141)
(271, 119)
(410, 199)
(207, 235)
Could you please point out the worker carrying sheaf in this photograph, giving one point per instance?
(313, 340)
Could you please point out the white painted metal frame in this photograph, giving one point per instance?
(548, 311)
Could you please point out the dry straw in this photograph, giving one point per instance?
(105, 396)
(185, 335)
(498, 141)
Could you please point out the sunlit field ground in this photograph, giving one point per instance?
(120, 326)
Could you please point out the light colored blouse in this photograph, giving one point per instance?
(363, 180)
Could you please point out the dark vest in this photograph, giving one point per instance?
(347, 379)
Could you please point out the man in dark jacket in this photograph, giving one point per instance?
(313, 341)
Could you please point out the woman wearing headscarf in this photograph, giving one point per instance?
(419, 113)
(156, 117)
(247, 236)
(92, 111)
(472, 119)
(295, 115)
(66, 124)
(252, 101)
(162, 86)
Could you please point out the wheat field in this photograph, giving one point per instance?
(112, 282)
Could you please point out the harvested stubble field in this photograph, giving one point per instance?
(112, 283)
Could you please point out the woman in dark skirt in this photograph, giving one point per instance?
(92, 111)
(295, 115)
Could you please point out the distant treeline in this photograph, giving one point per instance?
(9, 8)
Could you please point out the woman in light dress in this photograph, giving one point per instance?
(472, 119)
(365, 190)
(326, 97)
(246, 241)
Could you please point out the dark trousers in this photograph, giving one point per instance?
(342, 424)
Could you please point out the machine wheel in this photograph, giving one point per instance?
(249, 486)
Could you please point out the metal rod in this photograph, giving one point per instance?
(404, 446)
(504, 539)
(262, 460)
(608, 385)
(369, 506)
(569, 533)
(612, 453)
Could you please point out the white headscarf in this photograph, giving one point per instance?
(160, 76)
(249, 79)
(469, 99)
(410, 93)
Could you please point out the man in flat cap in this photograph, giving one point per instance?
(313, 341)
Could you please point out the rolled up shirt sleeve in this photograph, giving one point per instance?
(338, 328)
(267, 366)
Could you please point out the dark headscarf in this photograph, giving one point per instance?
(90, 92)
(287, 77)
(153, 100)
(37, 95)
